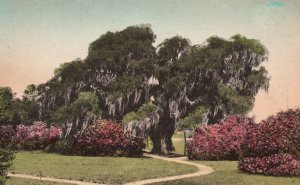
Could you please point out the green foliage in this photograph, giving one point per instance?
(17, 111)
(30, 89)
(62, 114)
(141, 67)
(217, 42)
(6, 97)
(113, 51)
(130, 117)
(124, 85)
(146, 109)
(71, 71)
(86, 102)
(235, 102)
(26, 110)
(141, 113)
(6, 156)
(170, 49)
(175, 84)
(63, 146)
(259, 78)
(241, 42)
(207, 68)
(194, 118)
(216, 49)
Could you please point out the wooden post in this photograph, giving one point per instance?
(184, 134)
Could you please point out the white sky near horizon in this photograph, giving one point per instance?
(38, 35)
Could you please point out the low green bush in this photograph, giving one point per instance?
(6, 156)
(140, 114)
(63, 146)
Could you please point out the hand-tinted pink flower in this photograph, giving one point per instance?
(219, 141)
(36, 136)
(273, 144)
(106, 137)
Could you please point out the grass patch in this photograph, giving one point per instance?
(178, 135)
(21, 181)
(226, 173)
(111, 170)
(179, 147)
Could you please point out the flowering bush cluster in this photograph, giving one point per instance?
(36, 136)
(276, 164)
(107, 138)
(6, 135)
(220, 141)
(273, 146)
(103, 138)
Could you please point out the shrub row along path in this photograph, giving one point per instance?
(202, 170)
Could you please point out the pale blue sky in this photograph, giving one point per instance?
(37, 35)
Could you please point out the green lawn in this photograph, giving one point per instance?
(178, 142)
(226, 173)
(178, 135)
(181, 135)
(112, 170)
(179, 147)
(21, 181)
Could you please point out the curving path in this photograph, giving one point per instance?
(202, 170)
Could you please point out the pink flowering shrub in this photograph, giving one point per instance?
(221, 141)
(107, 138)
(275, 164)
(6, 135)
(36, 136)
(273, 146)
(277, 134)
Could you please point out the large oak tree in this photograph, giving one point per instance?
(126, 72)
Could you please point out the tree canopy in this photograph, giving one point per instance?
(123, 70)
(16, 111)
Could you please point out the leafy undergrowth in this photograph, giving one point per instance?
(111, 170)
(226, 173)
(21, 181)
